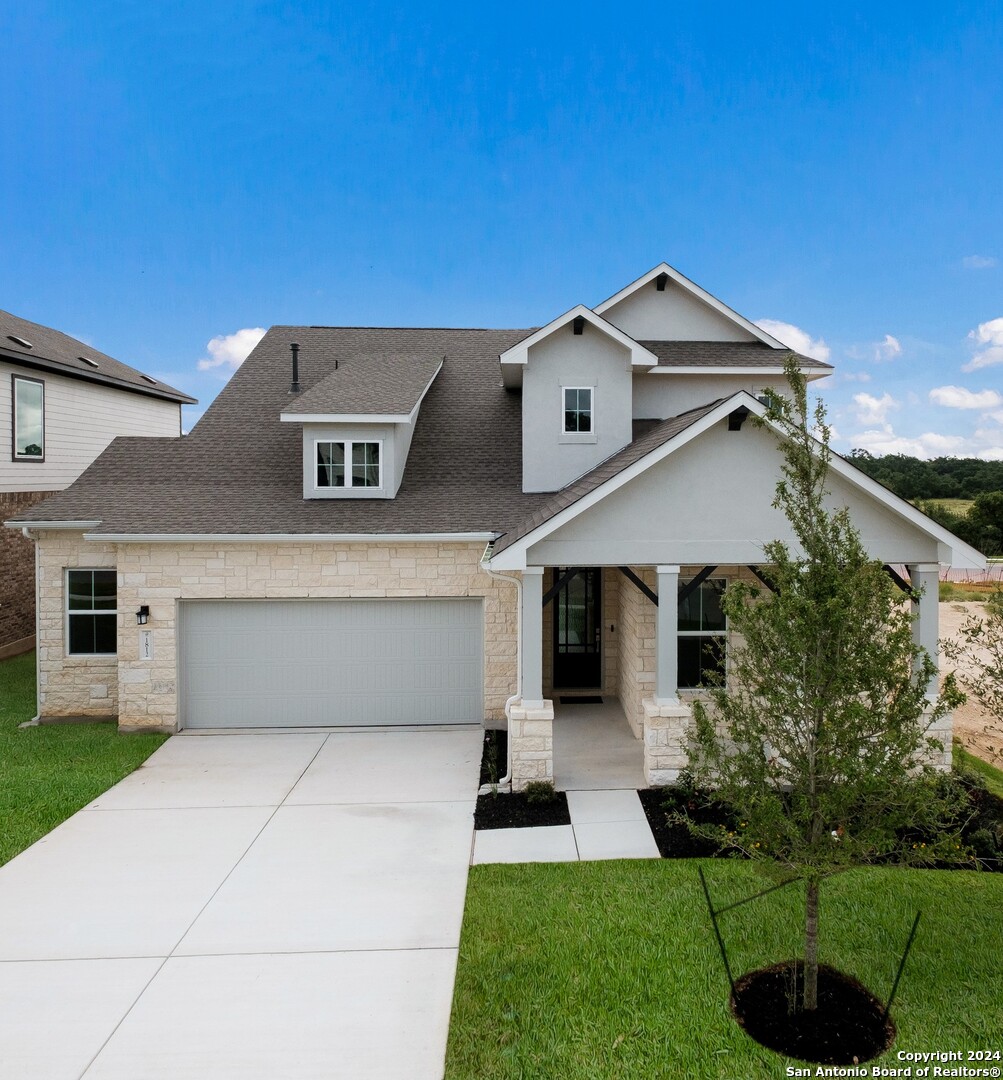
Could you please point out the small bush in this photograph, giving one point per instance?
(540, 791)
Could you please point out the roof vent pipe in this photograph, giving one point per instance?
(295, 350)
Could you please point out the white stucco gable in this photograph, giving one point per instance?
(705, 497)
(664, 305)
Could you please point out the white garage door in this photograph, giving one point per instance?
(328, 663)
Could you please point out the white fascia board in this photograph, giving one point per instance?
(694, 290)
(696, 369)
(291, 538)
(514, 556)
(519, 353)
(73, 525)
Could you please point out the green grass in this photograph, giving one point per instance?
(964, 759)
(958, 507)
(47, 773)
(610, 969)
(959, 593)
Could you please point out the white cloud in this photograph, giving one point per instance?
(872, 410)
(231, 350)
(887, 349)
(957, 397)
(795, 338)
(859, 376)
(930, 444)
(990, 334)
(979, 262)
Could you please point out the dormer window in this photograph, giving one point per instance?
(348, 464)
(577, 409)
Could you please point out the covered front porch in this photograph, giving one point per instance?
(610, 673)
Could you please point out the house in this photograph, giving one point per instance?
(61, 404)
(425, 526)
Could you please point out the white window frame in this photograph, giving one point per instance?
(707, 634)
(87, 611)
(15, 456)
(579, 436)
(348, 445)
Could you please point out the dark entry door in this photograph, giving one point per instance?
(578, 630)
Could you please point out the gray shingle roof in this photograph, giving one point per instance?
(369, 384)
(713, 354)
(240, 469)
(54, 351)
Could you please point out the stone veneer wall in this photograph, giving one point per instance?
(17, 574)
(636, 646)
(161, 574)
(71, 685)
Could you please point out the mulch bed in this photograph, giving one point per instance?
(847, 1028)
(675, 841)
(507, 810)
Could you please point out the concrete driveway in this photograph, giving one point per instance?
(254, 906)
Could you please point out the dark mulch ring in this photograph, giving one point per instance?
(521, 810)
(847, 1028)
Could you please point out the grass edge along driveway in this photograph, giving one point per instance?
(49, 772)
(610, 969)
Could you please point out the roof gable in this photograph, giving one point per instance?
(517, 357)
(743, 328)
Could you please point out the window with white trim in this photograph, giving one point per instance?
(577, 409)
(703, 636)
(28, 411)
(91, 612)
(348, 464)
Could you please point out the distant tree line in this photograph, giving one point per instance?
(946, 478)
(939, 478)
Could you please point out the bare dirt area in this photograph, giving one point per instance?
(971, 720)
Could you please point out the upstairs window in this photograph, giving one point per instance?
(28, 410)
(577, 409)
(92, 612)
(348, 464)
(702, 636)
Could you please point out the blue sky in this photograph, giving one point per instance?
(177, 174)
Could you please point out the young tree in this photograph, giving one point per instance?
(818, 742)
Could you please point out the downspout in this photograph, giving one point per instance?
(34, 721)
(517, 582)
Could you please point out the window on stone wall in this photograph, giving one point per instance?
(702, 636)
(91, 612)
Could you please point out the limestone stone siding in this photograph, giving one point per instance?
(17, 572)
(636, 646)
(531, 735)
(162, 574)
(71, 685)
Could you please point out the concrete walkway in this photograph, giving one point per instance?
(604, 825)
(255, 906)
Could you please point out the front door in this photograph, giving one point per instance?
(578, 630)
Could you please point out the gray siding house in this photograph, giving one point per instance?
(61, 404)
(425, 527)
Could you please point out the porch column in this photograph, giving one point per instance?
(666, 637)
(925, 579)
(532, 637)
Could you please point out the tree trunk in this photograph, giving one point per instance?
(811, 947)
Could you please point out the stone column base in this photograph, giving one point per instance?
(943, 732)
(666, 736)
(531, 744)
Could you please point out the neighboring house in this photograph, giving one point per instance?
(61, 404)
(394, 526)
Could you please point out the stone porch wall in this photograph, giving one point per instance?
(636, 646)
(71, 686)
(161, 574)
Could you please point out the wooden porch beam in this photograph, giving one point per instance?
(693, 584)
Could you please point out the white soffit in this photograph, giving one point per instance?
(694, 290)
(513, 360)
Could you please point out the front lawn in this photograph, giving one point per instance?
(993, 777)
(610, 969)
(47, 773)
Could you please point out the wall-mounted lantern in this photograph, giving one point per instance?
(143, 615)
